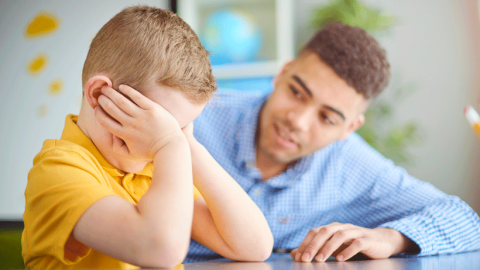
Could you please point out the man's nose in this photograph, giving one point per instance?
(301, 119)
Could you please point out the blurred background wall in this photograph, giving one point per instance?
(433, 47)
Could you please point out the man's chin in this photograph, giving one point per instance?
(282, 158)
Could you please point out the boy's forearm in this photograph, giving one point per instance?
(239, 221)
(156, 231)
(167, 206)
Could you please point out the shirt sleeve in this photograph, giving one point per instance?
(196, 193)
(61, 186)
(387, 196)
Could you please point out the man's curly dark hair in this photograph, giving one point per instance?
(354, 55)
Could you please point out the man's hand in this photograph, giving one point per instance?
(140, 127)
(345, 240)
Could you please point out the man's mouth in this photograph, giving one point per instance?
(283, 138)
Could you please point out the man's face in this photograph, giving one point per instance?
(173, 101)
(310, 108)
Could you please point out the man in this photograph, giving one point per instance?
(323, 190)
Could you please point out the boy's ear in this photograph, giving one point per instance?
(93, 89)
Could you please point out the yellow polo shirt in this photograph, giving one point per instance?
(67, 177)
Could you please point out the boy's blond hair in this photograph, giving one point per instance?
(143, 43)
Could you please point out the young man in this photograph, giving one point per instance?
(323, 190)
(120, 194)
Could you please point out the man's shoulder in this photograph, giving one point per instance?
(234, 99)
(354, 146)
(228, 106)
(356, 155)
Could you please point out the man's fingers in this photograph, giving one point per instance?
(336, 241)
(293, 253)
(310, 235)
(135, 96)
(317, 243)
(357, 246)
(113, 110)
(107, 122)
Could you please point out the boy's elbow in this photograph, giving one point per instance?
(164, 253)
(263, 255)
(261, 251)
(265, 250)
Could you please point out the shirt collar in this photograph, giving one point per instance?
(74, 134)
(246, 154)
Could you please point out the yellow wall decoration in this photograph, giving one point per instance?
(42, 110)
(42, 24)
(37, 64)
(56, 87)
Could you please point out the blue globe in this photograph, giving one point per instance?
(231, 36)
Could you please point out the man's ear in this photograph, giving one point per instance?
(93, 88)
(356, 124)
(282, 72)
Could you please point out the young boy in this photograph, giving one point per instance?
(119, 193)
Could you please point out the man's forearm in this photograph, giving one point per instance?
(448, 226)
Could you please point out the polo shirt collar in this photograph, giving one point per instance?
(74, 134)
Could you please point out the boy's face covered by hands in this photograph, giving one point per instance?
(131, 127)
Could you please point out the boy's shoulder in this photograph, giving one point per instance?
(62, 149)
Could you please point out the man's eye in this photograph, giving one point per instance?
(326, 119)
(295, 92)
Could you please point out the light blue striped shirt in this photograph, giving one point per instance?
(347, 182)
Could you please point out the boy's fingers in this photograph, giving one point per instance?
(112, 110)
(120, 147)
(135, 96)
(107, 122)
(122, 102)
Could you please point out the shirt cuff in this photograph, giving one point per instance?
(412, 228)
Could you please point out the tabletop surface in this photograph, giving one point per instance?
(278, 261)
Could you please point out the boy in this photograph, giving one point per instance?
(118, 194)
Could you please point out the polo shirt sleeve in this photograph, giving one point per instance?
(62, 184)
(196, 193)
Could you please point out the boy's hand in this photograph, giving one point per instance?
(140, 128)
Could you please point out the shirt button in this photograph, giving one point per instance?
(249, 164)
(284, 219)
(257, 192)
(136, 192)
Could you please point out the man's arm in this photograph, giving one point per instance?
(226, 220)
(385, 200)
